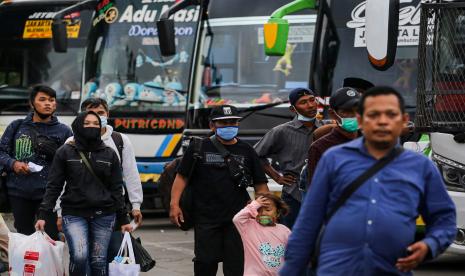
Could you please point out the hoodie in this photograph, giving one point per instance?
(31, 186)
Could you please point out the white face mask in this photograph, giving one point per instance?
(303, 118)
(104, 121)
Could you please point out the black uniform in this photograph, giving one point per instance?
(217, 198)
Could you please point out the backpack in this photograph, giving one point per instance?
(5, 206)
(166, 180)
(118, 139)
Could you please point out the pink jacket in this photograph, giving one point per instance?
(263, 245)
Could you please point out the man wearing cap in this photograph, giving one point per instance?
(288, 144)
(218, 197)
(343, 110)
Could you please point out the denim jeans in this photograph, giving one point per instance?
(88, 240)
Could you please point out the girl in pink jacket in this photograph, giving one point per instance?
(264, 240)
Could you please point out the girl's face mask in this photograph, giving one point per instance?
(266, 220)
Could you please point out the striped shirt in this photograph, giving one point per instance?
(288, 145)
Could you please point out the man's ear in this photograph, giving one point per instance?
(332, 114)
(212, 126)
(359, 119)
(405, 119)
(31, 105)
(292, 109)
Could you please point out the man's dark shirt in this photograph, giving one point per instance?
(333, 138)
(287, 144)
(216, 197)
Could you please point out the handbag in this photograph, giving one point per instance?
(238, 171)
(4, 199)
(124, 265)
(348, 191)
(142, 256)
(5, 206)
(44, 146)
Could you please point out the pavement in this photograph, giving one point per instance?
(173, 251)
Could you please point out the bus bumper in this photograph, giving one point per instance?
(458, 246)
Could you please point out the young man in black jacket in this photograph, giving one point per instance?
(29, 141)
(218, 197)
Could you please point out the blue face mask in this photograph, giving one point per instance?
(227, 133)
(104, 121)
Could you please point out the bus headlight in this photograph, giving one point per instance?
(452, 172)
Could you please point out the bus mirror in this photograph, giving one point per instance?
(166, 36)
(382, 28)
(60, 36)
(275, 34)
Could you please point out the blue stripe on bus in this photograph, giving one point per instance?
(156, 168)
(163, 145)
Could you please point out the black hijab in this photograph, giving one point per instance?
(86, 138)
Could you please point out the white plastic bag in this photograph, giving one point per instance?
(124, 266)
(35, 255)
(3, 240)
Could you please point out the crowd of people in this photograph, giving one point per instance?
(350, 197)
(351, 194)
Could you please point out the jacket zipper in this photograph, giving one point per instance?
(74, 160)
(104, 162)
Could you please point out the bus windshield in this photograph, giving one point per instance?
(27, 58)
(236, 70)
(123, 61)
(349, 19)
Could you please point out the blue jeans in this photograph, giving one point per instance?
(88, 240)
(294, 208)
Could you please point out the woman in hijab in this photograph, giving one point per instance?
(92, 201)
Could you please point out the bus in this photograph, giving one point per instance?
(230, 67)
(146, 92)
(27, 58)
(433, 91)
(150, 94)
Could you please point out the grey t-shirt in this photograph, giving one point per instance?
(288, 144)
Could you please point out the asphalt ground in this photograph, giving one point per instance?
(173, 251)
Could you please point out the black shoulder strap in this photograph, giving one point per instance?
(197, 144)
(362, 179)
(89, 167)
(118, 139)
(223, 151)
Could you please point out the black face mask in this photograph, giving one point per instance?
(90, 133)
(86, 138)
(41, 115)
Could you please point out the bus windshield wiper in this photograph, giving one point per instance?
(165, 88)
(254, 109)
